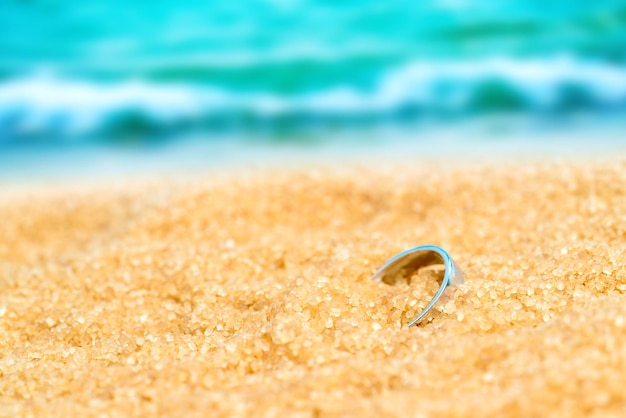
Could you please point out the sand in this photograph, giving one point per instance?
(250, 294)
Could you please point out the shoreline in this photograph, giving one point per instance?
(488, 141)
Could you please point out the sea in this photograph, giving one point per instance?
(111, 75)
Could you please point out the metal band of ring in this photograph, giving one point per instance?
(422, 256)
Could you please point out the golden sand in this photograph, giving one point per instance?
(251, 295)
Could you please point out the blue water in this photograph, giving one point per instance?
(110, 70)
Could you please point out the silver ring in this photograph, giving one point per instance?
(422, 256)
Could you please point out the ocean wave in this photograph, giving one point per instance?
(72, 108)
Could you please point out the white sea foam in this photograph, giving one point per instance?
(45, 103)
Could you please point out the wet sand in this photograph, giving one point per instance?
(249, 294)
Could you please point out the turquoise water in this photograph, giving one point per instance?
(84, 71)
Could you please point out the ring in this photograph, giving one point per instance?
(414, 258)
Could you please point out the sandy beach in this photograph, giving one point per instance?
(249, 294)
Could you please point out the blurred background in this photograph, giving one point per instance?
(117, 86)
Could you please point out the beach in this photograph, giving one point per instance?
(195, 197)
(249, 293)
